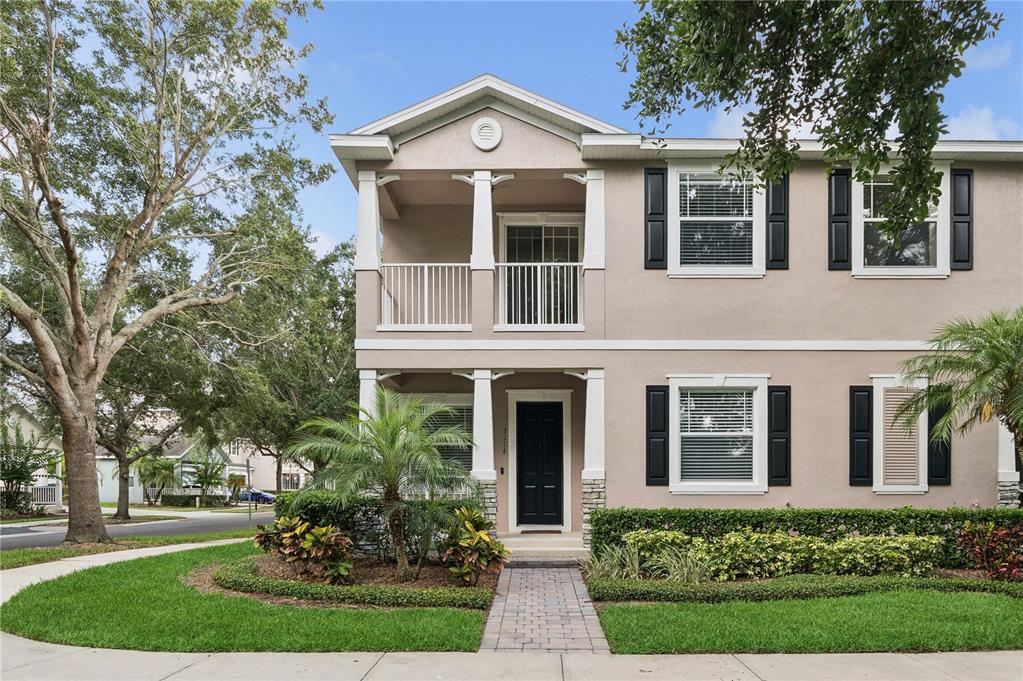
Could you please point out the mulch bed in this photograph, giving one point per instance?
(960, 573)
(371, 571)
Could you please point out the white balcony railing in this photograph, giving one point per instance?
(425, 297)
(539, 296)
(48, 495)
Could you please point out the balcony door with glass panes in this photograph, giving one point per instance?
(542, 277)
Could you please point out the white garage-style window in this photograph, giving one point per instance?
(921, 251)
(718, 426)
(900, 452)
(716, 222)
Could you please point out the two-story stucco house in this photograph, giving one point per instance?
(620, 326)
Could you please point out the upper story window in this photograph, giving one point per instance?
(716, 223)
(922, 249)
(719, 427)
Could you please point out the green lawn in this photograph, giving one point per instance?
(45, 516)
(143, 605)
(896, 621)
(13, 558)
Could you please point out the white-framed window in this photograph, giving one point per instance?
(716, 223)
(291, 481)
(718, 433)
(900, 453)
(461, 412)
(923, 250)
(540, 237)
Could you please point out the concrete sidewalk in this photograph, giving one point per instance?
(22, 659)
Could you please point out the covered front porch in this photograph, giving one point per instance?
(538, 452)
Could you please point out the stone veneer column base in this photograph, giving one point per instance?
(488, 494)
(593, 497)
(1008, 494)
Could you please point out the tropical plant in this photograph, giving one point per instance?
(390, 450)
(974, 372)
(322, 550)
(20, 457)
(469, 549)
(616, 561)
(997, 550)
(208, 472)
(675, 564)
(156, 471)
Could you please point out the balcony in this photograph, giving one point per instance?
(425, 297)
(539, 296)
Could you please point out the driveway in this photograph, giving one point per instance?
(195, 522)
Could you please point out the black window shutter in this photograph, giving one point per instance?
(962, 219)
(778, 224)
(779, 435)
(655, 219)
(839, 219)
(939, 454)
(861, 435)
(656, 435)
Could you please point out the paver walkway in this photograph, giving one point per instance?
(543, 608)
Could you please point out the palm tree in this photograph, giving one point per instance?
(156, 471)
(974, 371)
(390, 452)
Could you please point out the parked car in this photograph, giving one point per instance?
(257, 496)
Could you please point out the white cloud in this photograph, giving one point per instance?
(727, 124)
(323, 243)
(981, 123)
(988, 57)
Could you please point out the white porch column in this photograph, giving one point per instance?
(593, 237)
(593, 441)
(482, 426)
(368, 389)
(367, 241)
(482, 257)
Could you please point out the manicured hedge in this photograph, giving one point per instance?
(609, 525)
(792, 587)
(189, 500)
(241, 576)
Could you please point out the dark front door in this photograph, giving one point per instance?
(539, 463)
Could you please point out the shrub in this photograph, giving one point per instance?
(610, 525)
(679, 565)
(614, 562)
(997, 550)
(189, 500)
(323, 551)
(784, 588)
(872, 555)
(241, 576)
(469, 550)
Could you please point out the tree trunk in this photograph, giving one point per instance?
(85, 517)
(123, 489)
(280, 467)
(396, 526)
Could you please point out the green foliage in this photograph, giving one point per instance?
(620, 561)
(611, 524)
(997, 550)
(974, 370)
(679, 565)
(189, 500)
(159, 472)
(320, 550)
(848, 70)
(20, 457)
(391, 450)
(469, 549)
(241, 576)
(790, 587)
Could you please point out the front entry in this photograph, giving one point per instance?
(539, 463)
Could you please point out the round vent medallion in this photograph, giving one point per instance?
(486, 133)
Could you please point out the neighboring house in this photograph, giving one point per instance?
(47, 489)
(262, 470)
(182, 451)
(623, 328)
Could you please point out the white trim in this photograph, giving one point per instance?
(448, 344)
(424, 327)
(880, 382)
(538, 327)
(536, 219)
(1006, 456)
(482, 256)
(758, 382)
(565, 397)
(482, 144)
(940, 270)
(756, 270)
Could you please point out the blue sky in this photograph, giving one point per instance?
(372, 59)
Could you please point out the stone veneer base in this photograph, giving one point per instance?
(1008, 494)
(593, 497)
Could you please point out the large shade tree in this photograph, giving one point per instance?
(844, 71)
(140, 143)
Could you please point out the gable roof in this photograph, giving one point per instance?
(484, 87)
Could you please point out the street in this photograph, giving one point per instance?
(194, 523)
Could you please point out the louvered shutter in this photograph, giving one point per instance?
(458, 416)
(939, 454)
(716, 435)
(778, 224)
(656, 435)
(962, 219)
(861, 435)
(655, 218)
(901, 444)
(779, 435)
(839, 219)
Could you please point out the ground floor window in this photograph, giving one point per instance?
(719, 433)
(459, 415)
(291, 481)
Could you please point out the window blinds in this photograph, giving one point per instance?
(715, 220)
(716, 434)
(458, 416)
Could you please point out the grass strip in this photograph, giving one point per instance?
(241, 576)
(791, 587)
(14, 558)
(144, 605)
